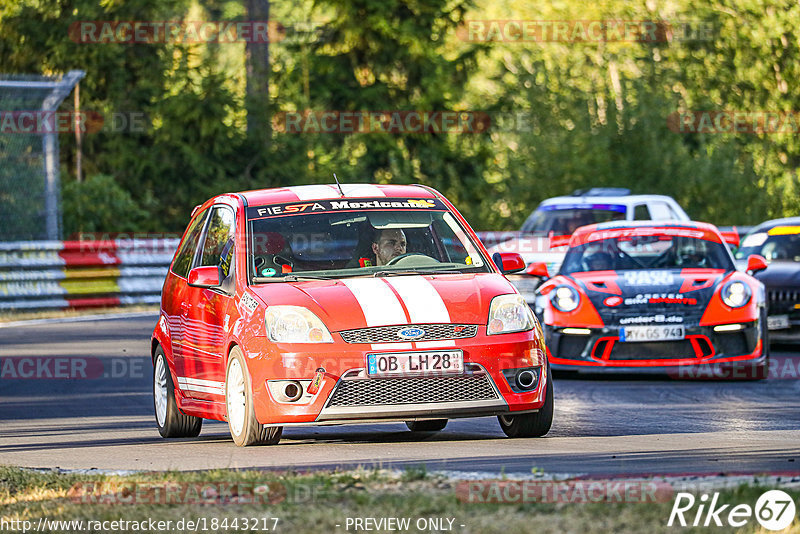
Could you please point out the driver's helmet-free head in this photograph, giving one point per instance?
(598, 261)
(690, 255)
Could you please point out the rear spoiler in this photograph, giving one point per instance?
(559, 240)
(731, 237)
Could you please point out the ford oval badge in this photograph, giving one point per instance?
(410, 333)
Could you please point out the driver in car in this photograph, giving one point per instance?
(388, 244)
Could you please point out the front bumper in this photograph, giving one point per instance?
(348, 394)
(601, 349)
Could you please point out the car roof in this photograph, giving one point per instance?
(766, 225)
(314, 192)
(594, 199)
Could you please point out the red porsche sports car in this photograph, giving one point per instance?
(331, 304)
(652, 295)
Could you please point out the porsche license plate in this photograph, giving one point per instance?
(651, 333)
(439, 362)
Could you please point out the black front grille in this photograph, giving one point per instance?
(733, 343)
(657, 350)
(416, 390)
(783, 296)
(571, 347)
(389, 334)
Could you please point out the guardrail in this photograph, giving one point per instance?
(36, 275)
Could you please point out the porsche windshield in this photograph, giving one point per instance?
(331, 239)
(625, 253)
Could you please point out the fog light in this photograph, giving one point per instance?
(728, 327)
(286, 391)
(293, 391)
(523, 379)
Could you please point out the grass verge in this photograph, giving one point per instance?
(321, 502)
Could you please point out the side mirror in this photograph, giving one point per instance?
(538, 269)
(756, 263)
(206, 277)
(508, 262)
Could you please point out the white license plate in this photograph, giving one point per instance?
(777, 322)
(439, 362)
(651, 333)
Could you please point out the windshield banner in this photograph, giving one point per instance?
(343, 205)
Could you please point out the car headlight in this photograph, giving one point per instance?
(509, 313)
(736, 294)
(295, 324)
(565, 298)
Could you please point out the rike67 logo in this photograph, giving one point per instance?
(774, 510)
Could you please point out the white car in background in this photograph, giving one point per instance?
(561, 216)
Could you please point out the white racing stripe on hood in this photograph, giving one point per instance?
(377, 301)
(423, 302)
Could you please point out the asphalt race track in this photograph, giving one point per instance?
(610, 425)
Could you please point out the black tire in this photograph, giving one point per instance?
(531, 425)
(171, 422)
(242, 423)
(434, 425)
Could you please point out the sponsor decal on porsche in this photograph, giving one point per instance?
(651, 319)
(660, 298)
(648, 278)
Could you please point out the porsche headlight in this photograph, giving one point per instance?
(565, 298)
(509, 313)
(735, 294)
(295, 324)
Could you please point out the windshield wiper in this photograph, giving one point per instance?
(408, 272)
(289, 278)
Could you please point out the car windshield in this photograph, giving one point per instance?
(780, 243)
(631, 252)
(375, 237)
(564, 219)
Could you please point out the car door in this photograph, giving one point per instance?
(208, 316)
(174, 300)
